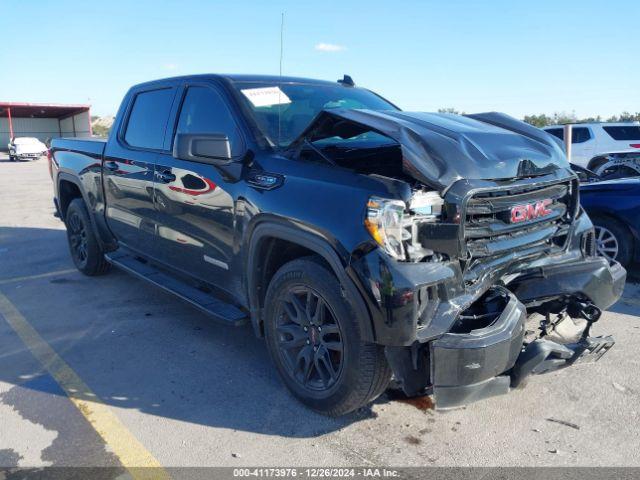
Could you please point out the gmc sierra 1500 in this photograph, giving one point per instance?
(360, 240)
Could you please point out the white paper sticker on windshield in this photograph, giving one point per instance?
(264, 97)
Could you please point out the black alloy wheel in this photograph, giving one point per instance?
(86, 251)
(310, 339)
(77, 238)
(315, 338)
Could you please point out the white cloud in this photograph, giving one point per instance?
(170, 66)
(329, 47)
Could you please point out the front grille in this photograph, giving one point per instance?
(490, 231)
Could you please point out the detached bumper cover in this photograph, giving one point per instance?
(467, 367)
(594, 278)
(542, 356)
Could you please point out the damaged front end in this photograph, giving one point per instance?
(485, 271)
(493, 347)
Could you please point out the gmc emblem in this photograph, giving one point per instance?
(523, 213)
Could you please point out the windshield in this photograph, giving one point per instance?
(297, 105)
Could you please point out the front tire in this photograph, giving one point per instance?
(315, 340)
(613, 240)
(86, 253)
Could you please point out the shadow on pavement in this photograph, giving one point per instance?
(138, 347)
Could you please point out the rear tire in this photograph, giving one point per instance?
(315, 340)
(86, 253)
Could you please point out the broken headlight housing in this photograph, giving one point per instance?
(395, 228)
(384, 222)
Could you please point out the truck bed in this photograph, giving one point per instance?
(90, 146)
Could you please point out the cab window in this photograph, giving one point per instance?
(205, 111)
(148, 119)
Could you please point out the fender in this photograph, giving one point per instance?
(100, 229)
(314, 242)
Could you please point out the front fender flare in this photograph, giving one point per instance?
(314, 242)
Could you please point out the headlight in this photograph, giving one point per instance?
(384, 222)
(397, 230)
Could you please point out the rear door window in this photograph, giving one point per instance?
(148, 119)
(625, 133)
(578, 134)
(205, 111)
(556, 132)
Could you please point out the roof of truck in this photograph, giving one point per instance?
(241, 77)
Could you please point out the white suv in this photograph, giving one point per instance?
(604, 147)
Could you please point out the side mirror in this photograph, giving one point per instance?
(213, 148)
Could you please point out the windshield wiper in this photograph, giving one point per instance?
(327, 159)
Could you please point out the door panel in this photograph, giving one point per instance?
(195, 219)
(129, 168)
(194, 203)
(128, 186)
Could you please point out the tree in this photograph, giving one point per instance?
(625, 117)
(541, 120)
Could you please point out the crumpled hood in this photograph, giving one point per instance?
(439, 149)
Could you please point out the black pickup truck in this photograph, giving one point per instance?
(365, 243)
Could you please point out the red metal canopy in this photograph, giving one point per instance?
(13, 110)
(40, 110)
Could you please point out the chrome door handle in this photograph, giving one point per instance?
(111, 166)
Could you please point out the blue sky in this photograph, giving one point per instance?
(513, 56)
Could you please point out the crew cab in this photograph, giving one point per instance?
(361, 241)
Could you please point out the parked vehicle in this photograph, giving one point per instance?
(614, 209)
(360, 240)
(26, 148)
(608, 149)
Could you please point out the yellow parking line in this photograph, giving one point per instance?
(140, 463)
(4, 281)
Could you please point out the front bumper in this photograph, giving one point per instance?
(459, 364)
(420, 302)
(540, 356)
(593, 278)
(466, 367)
(469, 364)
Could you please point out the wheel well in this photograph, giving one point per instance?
(274, 244)
(274, 253)
(595, 162)
(67, 191)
